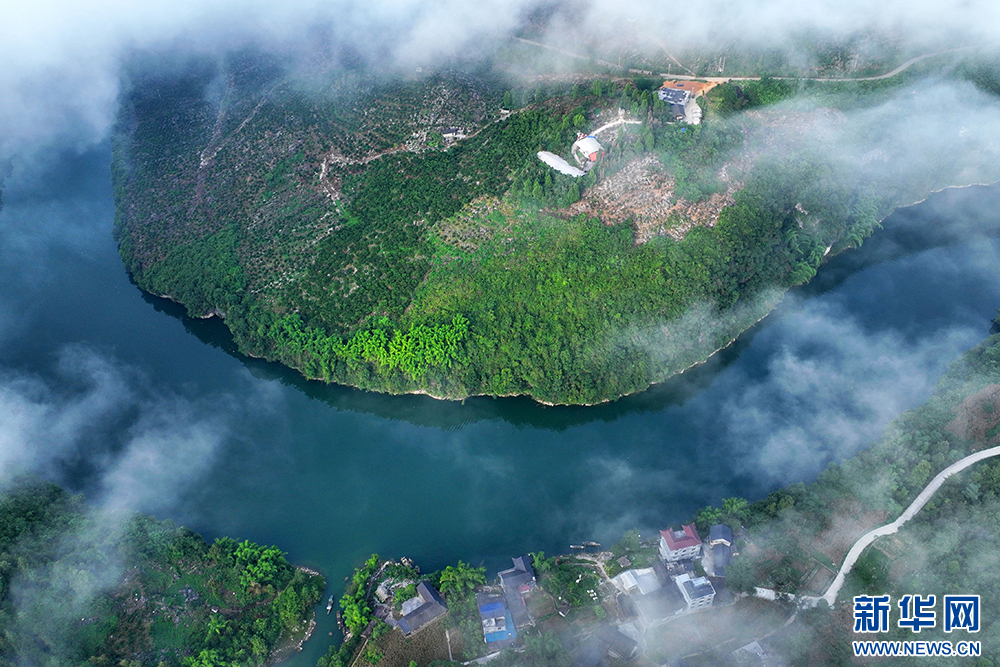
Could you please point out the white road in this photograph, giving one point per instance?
(888, 529)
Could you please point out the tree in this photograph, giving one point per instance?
(741, 575)
(545, 650)
(462, 578)
(735, 509)
(508, 99)
(541, 563)
(206, 658)
(630, 540)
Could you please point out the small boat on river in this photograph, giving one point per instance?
(329, 606)
(577, 546)
(591, 544)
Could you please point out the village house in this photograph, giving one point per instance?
(606, 641)
(698, 592)
(515, 582)
(650, 594)
(587, 148)
(678, 95)
(499, 631)
(421, 610)
(682, 544)
(720, 534)
(720, 542)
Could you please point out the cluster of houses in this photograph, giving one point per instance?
(671, 586)
(653, 595)
(502, 611)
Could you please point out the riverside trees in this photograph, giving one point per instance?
(149, 594)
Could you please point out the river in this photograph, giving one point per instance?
(332, 474)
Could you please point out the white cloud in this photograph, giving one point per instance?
(61, 60)
(831, 391)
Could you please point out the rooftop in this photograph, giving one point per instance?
(498, 625)
(621, 645)
(721, 556)
(644, 581)
(588, 145)
(686, 536)
(695, 589)
(672, 95)
(605, 639)
(522, 573)
(431, 607)
(720, 532)
(658, 606)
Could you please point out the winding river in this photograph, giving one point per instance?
(333, 474)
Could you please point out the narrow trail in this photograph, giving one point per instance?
(566, 53)
(900, 69)
(614, 123)
(888, 529)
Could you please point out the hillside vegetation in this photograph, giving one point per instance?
(796, 537)
(337, 230)
(79, 589)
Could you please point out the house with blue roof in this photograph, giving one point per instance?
(499, 631)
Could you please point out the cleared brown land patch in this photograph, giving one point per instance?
(978, 417)
(696, 87)
(849, 522)
(819, 580)
(644, 193)
(424, 646)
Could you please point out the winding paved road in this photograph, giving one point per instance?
(888, 529)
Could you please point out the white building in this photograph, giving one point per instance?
(697, 592)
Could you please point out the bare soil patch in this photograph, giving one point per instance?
(424, 646)
(643, 193)
(696, 87)
(978, 417)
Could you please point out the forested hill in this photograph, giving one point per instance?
(79, 589)
(400, 235)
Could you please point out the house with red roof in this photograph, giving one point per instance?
(680, 544)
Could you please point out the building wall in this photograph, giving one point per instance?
(701, 602)
(680, 554)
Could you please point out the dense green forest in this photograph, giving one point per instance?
(79, 588)
(340, 232)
